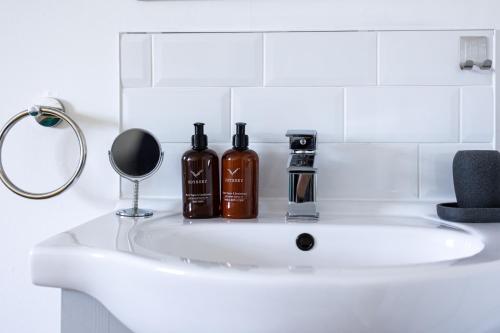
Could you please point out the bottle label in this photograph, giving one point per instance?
(197, 181)
(196, 175)
(198, 198)
(232, 173)
(234, 196)
(198, 178)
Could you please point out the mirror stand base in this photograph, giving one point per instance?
(134, 212)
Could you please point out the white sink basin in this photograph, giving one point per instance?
(364, 274)
(348, 243)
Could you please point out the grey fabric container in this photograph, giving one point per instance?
(476, 176)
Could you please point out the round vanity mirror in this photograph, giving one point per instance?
(135, 155)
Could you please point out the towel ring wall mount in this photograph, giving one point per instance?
(49, 114)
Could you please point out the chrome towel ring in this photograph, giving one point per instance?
(47, 116)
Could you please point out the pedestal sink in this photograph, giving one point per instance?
(364, 273)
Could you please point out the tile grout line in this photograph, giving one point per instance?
(345, 116)
(120, 103)
(494, 85)
(407, 86)
(419, 180)
(403, 86)
(120, 86)
(380, 143)
(151, 69)
(231, 113)
(460, 115)
(264, 36)
(151, 57)
(377, 57)
(254, 31)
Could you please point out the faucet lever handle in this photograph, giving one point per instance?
(302, 139)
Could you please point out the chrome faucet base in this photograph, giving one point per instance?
(297, 218)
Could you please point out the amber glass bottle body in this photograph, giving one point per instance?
(240, 184)
(200, 185)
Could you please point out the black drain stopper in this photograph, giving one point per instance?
(305, 242)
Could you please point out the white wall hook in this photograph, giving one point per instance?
(474, 52)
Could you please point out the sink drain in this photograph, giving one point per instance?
(305, 242)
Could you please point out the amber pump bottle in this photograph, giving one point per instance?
(200, 178)
(240, 178)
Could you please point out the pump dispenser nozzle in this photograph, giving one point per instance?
(199, 140)
(240, 139)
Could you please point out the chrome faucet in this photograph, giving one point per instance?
(302, 175)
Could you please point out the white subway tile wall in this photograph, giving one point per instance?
(269, 112)
(427, 58)
(477, 118)
(207, 59)
(368, 171)
(169, 113)
(391, 108)
(321, 58)
(402, 114)
(135, 60)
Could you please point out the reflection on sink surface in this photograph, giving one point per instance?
(339, 245)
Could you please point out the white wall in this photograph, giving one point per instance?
(70, 49)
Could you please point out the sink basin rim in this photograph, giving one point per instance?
(60, 245)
